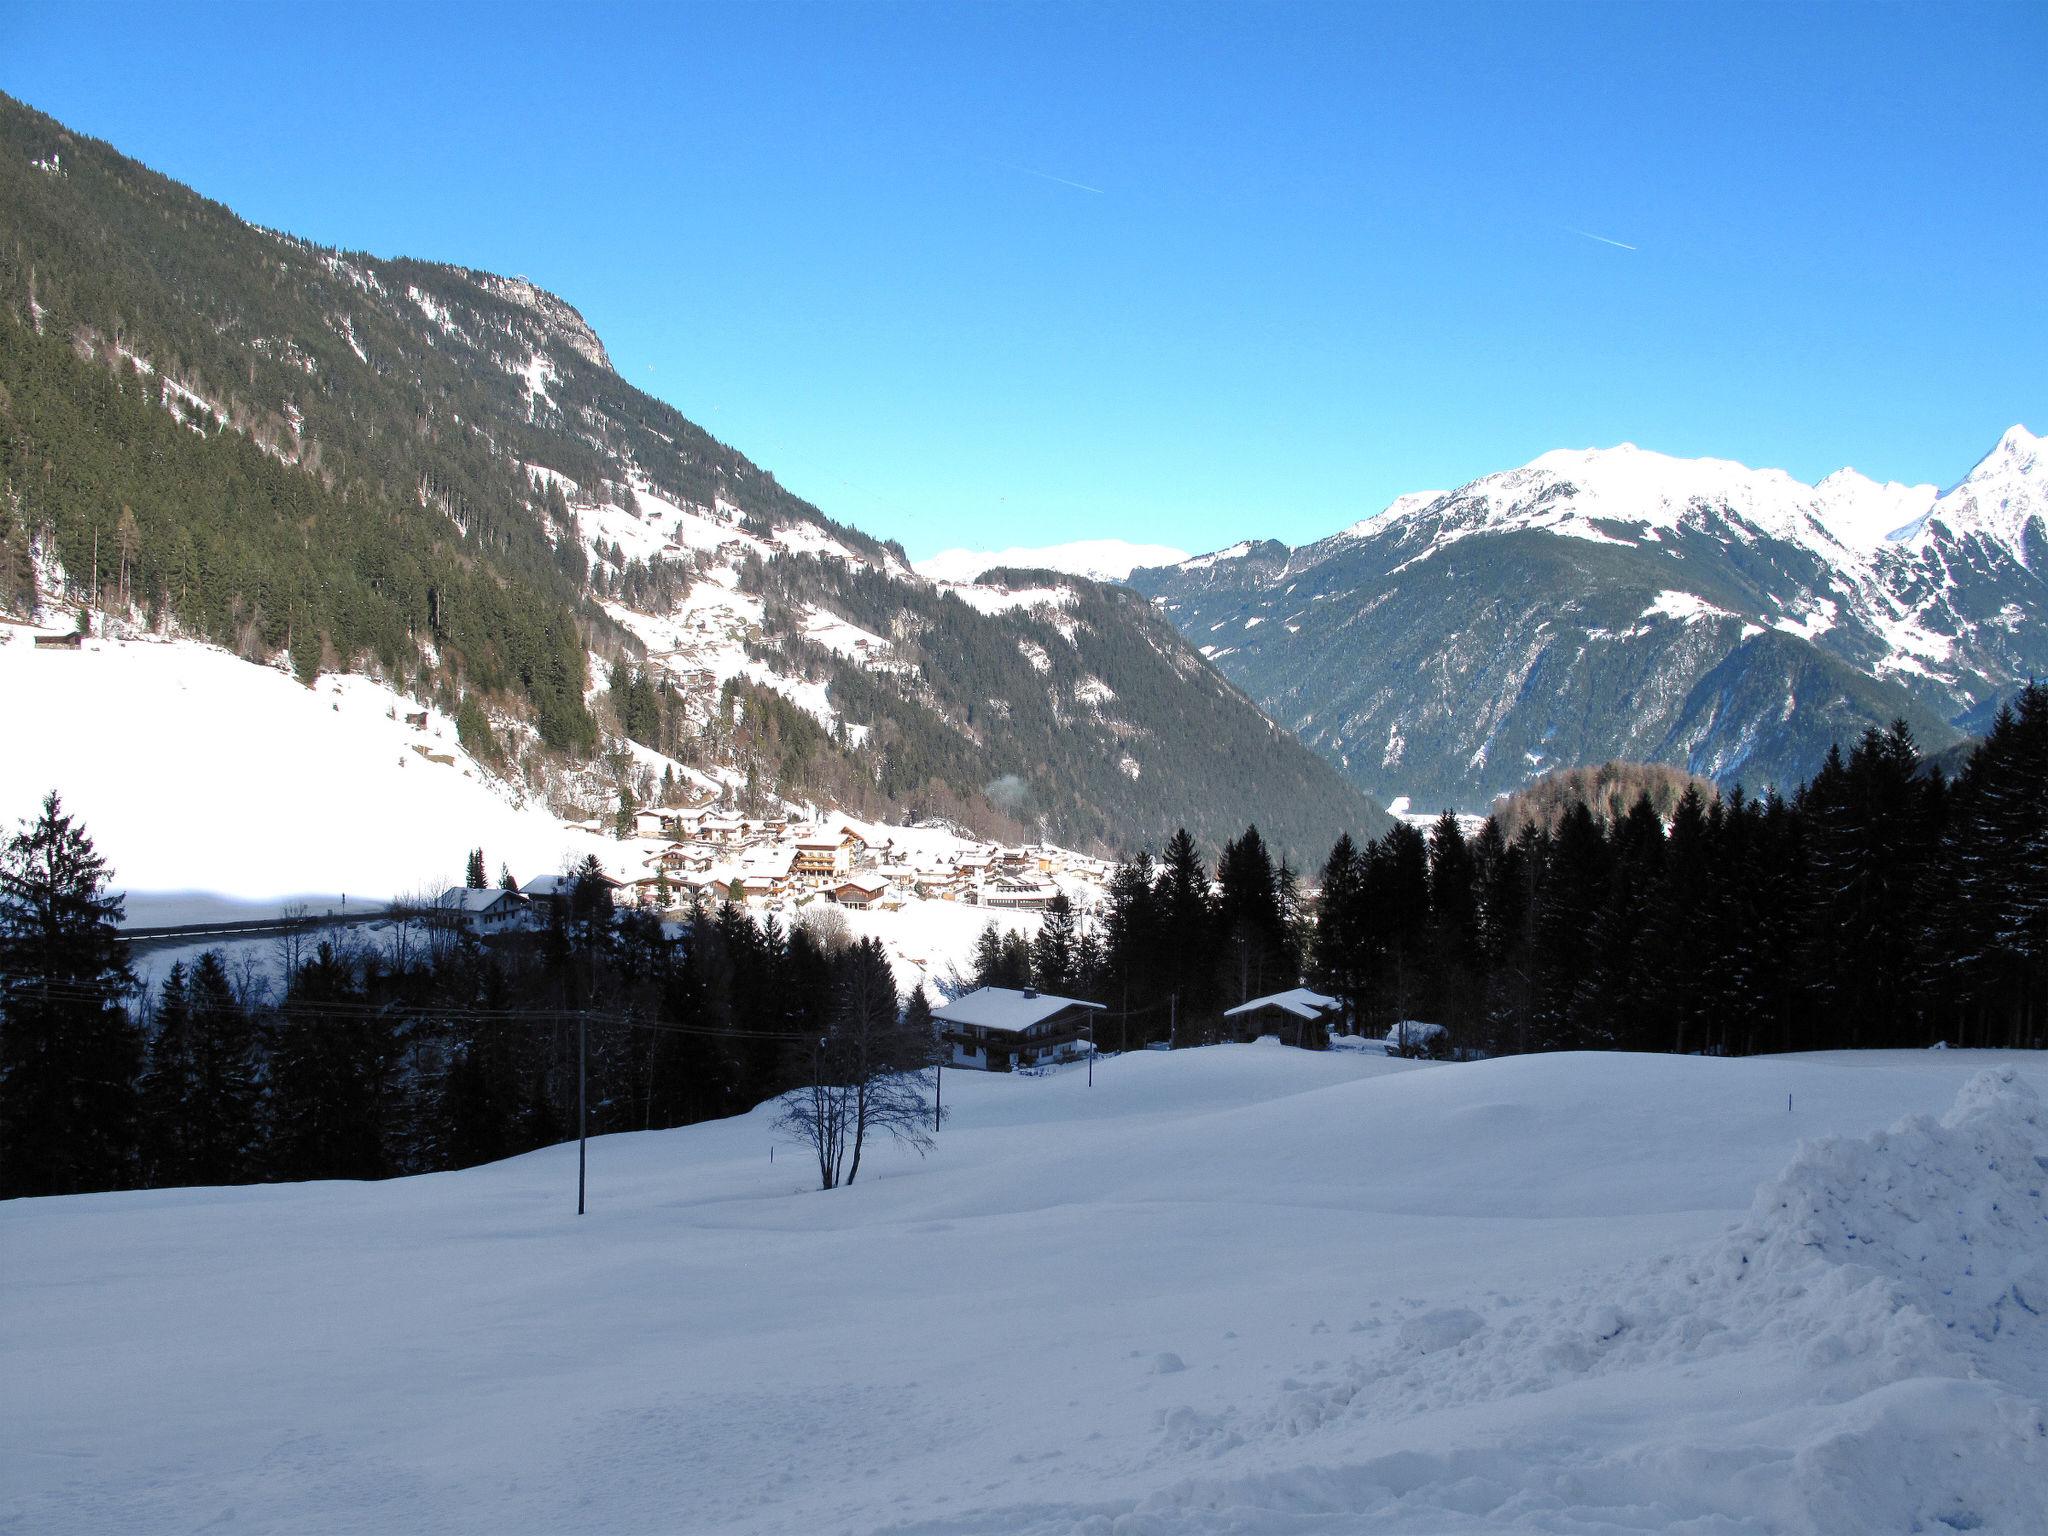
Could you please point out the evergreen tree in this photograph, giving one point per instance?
(167, 1087)
(1337, 961)
(1613, 1006)
(1053, 950)
(1993, 919)
(988, 956)
(1453, 976)
(1254, 950)
(1568, 899)
(1396, 921)
(476, 880)
(1672, 941)
(329, 1074)
(222, 1114)
(70, 1055)
(917, 1013)
(1130, 952)
(1187, 935)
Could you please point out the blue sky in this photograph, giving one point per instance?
(988, 275)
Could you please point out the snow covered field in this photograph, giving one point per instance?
(1240, 1289)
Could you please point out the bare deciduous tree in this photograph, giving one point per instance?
(865, 1076)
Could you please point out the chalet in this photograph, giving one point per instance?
(680, 821)
(859, 894)
(1016, 895)
(824, 858)
(997, 1028)
(481, 912)
(1299, 1017)
(651, 822)
(659, 891)
(685, 858)
(549, 892)
(726, 831)
(767, 872)
(68, 642)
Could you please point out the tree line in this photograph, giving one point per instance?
(432, 1052)
(1881, 905)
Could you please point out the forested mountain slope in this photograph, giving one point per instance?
(434, 475)
(1623, 604)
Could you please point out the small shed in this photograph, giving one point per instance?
(1298, 1016)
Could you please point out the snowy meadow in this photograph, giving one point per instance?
(1234, 1289)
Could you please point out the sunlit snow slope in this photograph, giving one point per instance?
(1241, 1289)
(197, 772)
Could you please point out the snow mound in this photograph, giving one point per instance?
(1866, 1350)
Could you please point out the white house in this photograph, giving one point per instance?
(481, 912)
(997, 1028)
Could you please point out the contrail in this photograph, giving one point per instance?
(1588, 234)
(1080, 186)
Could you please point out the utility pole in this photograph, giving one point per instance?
(582, 1102)
(1172, 1020)
(939, 1088)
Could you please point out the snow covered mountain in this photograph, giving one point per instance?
(1098, 559)
(1622, 603)
(431, 476)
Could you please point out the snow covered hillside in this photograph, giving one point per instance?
(270, 794)
(1240, 1289)
(197, 772)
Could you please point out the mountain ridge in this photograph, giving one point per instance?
(1729, 620)
(433, 474)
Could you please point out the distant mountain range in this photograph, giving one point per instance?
(344, 462)
(1619, 603)
(1098, 559)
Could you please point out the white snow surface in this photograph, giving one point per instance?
(1241, 1289)
(196, 771)
(1099, 559)
(1847, 518)
(1216, 557)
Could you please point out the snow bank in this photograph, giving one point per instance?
(1899, 1279)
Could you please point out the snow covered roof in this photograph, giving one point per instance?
(560, 885)
(1300, 1002)
(1006, 1008)
(462, 898)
